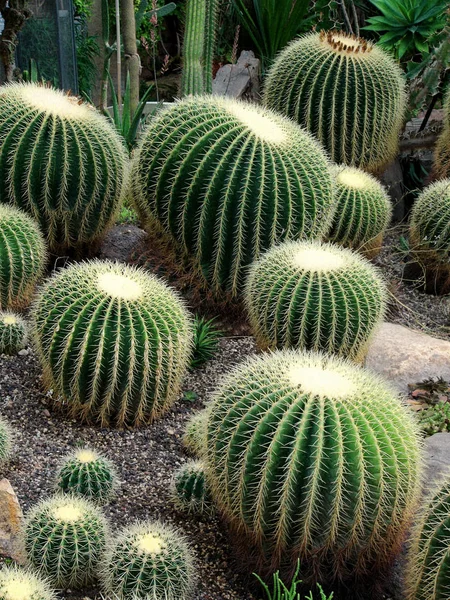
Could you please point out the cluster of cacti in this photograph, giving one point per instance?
(347, 92)
(314, 296)
(228, 180)
(64, 539)
(22, 256)
(198, 46)
(428, 562)
(5, 440)
(194, 439)
(363, 211)
(23, 584)
(13, 333)
(310, 457)
(441, 167)
(114, 341)
(190, 492)
(86, 473)
(60, 161)
(148, 560)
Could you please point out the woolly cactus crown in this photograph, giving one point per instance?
(22, 584)
(60, 161)
(227, 180)
(347, 92)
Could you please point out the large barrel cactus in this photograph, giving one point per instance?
(22, 257)
(442, 153)
(428, 563)
(347, 92)
(229, 180)
(311, 458)
(114, 341)
(60, 161)
(314, 296)
(363, 211)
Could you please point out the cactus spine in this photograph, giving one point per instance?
(23, 584)
(5, 440)
(189, 488)
(363, 211)
(64, 539)
(13, 333)
(227, 181)
(114, 341)
(310, 457)
(60, 161)
(428, 562)
(88, 474)
(441, 166)
(22, 257)
(194, 439)
(314, 296)
(148, 560)
(347, 92)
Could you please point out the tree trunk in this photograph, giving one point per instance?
(14, 14)
(132, 61)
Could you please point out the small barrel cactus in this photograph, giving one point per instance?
(60, 161)
(311, 458)
(22, 257)
(114, 341)
(347, 92)
(5, 440)
(363, 211)
(228, 180)
(194, 439)
(88, 474)
(190, 492)
(427, 574)
(315, 296)
(64, 539)
(148, 560)
(13, 333)
(23, 584)
(441, 166)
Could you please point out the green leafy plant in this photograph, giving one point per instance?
(206, 340)
(280, 591)
(408, 27)
(17, 583)
(435, 419)
(13, 333)
(87, 51)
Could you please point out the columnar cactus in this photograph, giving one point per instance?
(310, 457)
(5, 440)
(190, 492)
(60, 161)
(64, 539)
(13, 333)
(88, 474)
(194, 439)
(114, 342)
(442, 152)
(314, 296)
(428, 563)
(363, 211)
(22, 257)
(228, 180)
(148, 560)
(347, 92)
(23, 584)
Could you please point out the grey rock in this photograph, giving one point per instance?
(437, 458)
(11, 518)
(402, 356)
(121, 241)
(241, 80)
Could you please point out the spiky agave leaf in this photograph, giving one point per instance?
(114, 341)
(60, 161)
(17, 583)
(22, 257)
(310, 457)
(315, 296)
(13, 333)
(227, 180)
(347, 92)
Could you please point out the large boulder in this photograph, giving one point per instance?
(11, 518)
(437, 458)
(402, 356)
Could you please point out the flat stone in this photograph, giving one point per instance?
(11, 518)
(437, 458)
(402, 356)
(240, 80)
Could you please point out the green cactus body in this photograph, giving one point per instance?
(23, 584)
(309, 457)
(427, 575)
(22, 257)
(363, 211)
(190, 492)
(441, 168)
(88, 474)
(314, 296)
(64, 539)
(114, 341)
(5, 440)
(13, 333)
(229, 180)
(148, 560)
(347, 92)
(194, 439)
(60, 161)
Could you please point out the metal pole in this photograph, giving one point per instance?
(119, 57)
